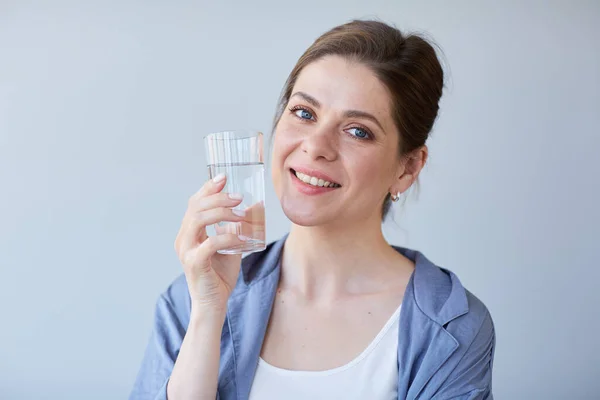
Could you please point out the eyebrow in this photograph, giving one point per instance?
(349, 113)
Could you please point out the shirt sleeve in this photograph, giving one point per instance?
(471, 379)
(171, 318)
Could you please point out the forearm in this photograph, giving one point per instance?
(196, 371)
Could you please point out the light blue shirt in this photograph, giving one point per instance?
(445, 344)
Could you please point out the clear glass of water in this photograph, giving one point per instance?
(239, 155)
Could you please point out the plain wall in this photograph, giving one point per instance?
(102, 110)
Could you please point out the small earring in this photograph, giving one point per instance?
(396, 197)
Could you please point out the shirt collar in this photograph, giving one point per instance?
(437, 291)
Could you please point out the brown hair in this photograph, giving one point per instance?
(406, 64)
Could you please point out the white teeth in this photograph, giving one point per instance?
(311, 180)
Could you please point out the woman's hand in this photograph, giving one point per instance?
(210, 276)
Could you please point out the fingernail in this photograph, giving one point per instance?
(243, 238)
(218, 178)
(236, 196)
(239, 213)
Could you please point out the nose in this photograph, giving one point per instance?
(321, 143)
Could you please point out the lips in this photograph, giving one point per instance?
(309, 189)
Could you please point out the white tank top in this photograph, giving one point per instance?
(371, 375)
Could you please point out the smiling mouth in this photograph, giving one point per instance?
(311, 180)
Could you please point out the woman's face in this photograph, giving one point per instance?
(337, 128)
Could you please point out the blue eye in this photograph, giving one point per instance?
(360, 133)
(302, 113)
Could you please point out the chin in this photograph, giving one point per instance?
(302, 215)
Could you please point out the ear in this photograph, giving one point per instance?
(409, 169)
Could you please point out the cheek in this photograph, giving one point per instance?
(278, 150)
(283, 143)
(367, 172)
(371, 171)
(282, 147)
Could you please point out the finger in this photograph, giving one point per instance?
(217, 200)
(211, 186)
(234, 228)
(220, 242)
(215, 215)
(255, 214)
(252, 220)
(251, 226)
(257, 207)
(197, 223)
(249, 229)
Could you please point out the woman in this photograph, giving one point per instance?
(331, 311)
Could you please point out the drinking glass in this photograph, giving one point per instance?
(239, 155)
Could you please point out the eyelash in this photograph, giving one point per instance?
(367, 131)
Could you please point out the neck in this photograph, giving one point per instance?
(331, 261)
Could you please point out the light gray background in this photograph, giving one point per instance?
(102, 110)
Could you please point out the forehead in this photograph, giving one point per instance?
(343, 84)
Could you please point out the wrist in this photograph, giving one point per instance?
(203, 314)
